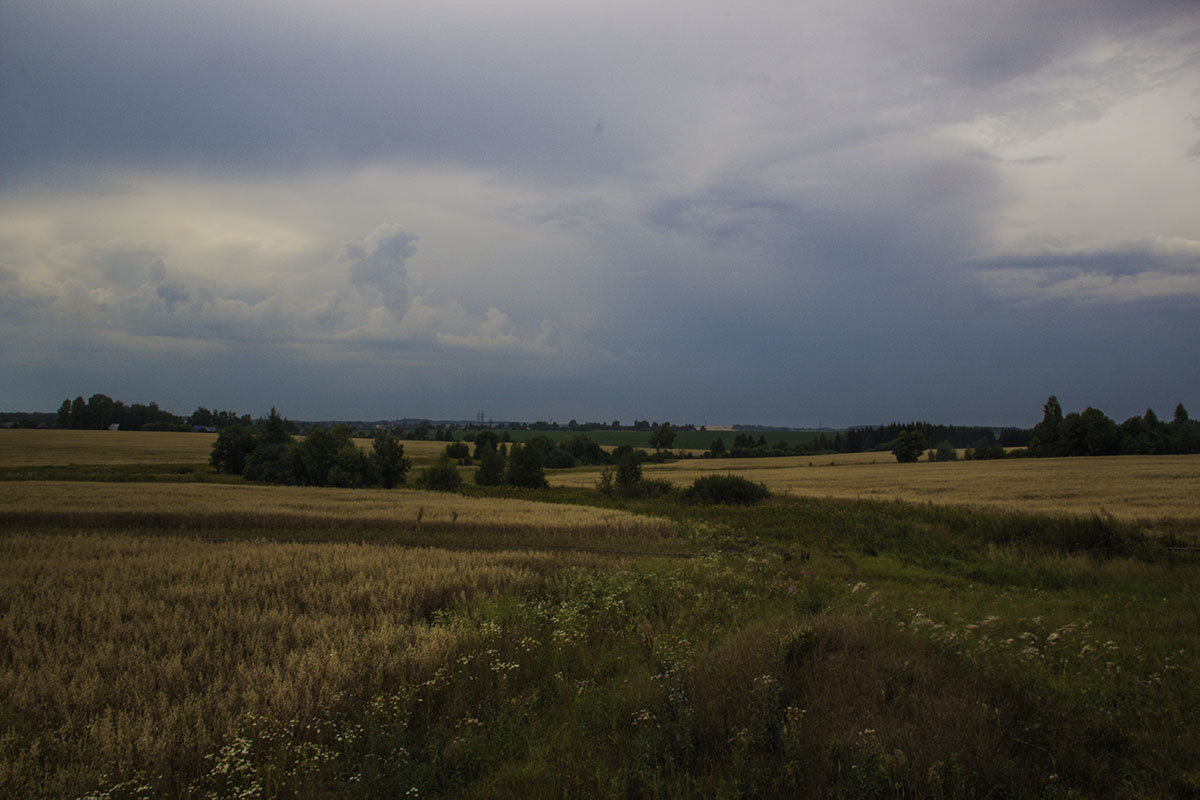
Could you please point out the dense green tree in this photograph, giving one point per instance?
(321, 450)
(1044, 438)
(1090, 433)
(491, 467)
(543, 445)
(272, 463)
(1184, 432)
(908, 446)
(585, 450)
(441, 477)
(629, 474)
(233, 446)
(662, 436)
(78, 413)
(388, 459)
(484, 441)
(100, 411)
(717, 448)
(558, 458)
(525, 468)
(983, 449)
(351, 469)
(202, 417)
(274, 429)
(1144, 435)
(64, 415)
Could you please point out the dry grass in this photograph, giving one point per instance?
(134, 655)
(1137, 488)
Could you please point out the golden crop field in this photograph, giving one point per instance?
(147, 652)
(304, 505)
(222, 512)
(38, 448)
(1146, 488)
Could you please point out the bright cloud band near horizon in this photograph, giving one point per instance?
(764, 212)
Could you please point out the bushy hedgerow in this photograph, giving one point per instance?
(267, 453)
(725, 489)
(441, 477)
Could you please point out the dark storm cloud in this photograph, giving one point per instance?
(844, 207)
(228, 87)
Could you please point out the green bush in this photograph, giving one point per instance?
(491, 467)
(525, 468)
(907, 446)
(441, 477)
(726, 489)
(271, 463)
(943, 452)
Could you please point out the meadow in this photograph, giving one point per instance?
(192, 639)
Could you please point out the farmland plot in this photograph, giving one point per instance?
(1151, 489)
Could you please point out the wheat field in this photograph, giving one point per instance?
(212, 508)
(43, 448)
(143, 654)
(1136, 488)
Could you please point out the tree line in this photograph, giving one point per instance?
(1092, 433)
(1085, 433)
(882, 438)
(100, 412)
(267, 452)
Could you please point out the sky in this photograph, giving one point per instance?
(761, 211)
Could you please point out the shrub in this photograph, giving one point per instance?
(983, 450)
(441, 477)
(629, 474)
(491, 468)
(525, 468)
(726, 489)
(558, 459)
(655, 487)
(943, 452)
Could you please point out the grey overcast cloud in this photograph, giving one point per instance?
(773, 212)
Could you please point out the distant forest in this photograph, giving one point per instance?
(100, 412)
(1089, 432)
